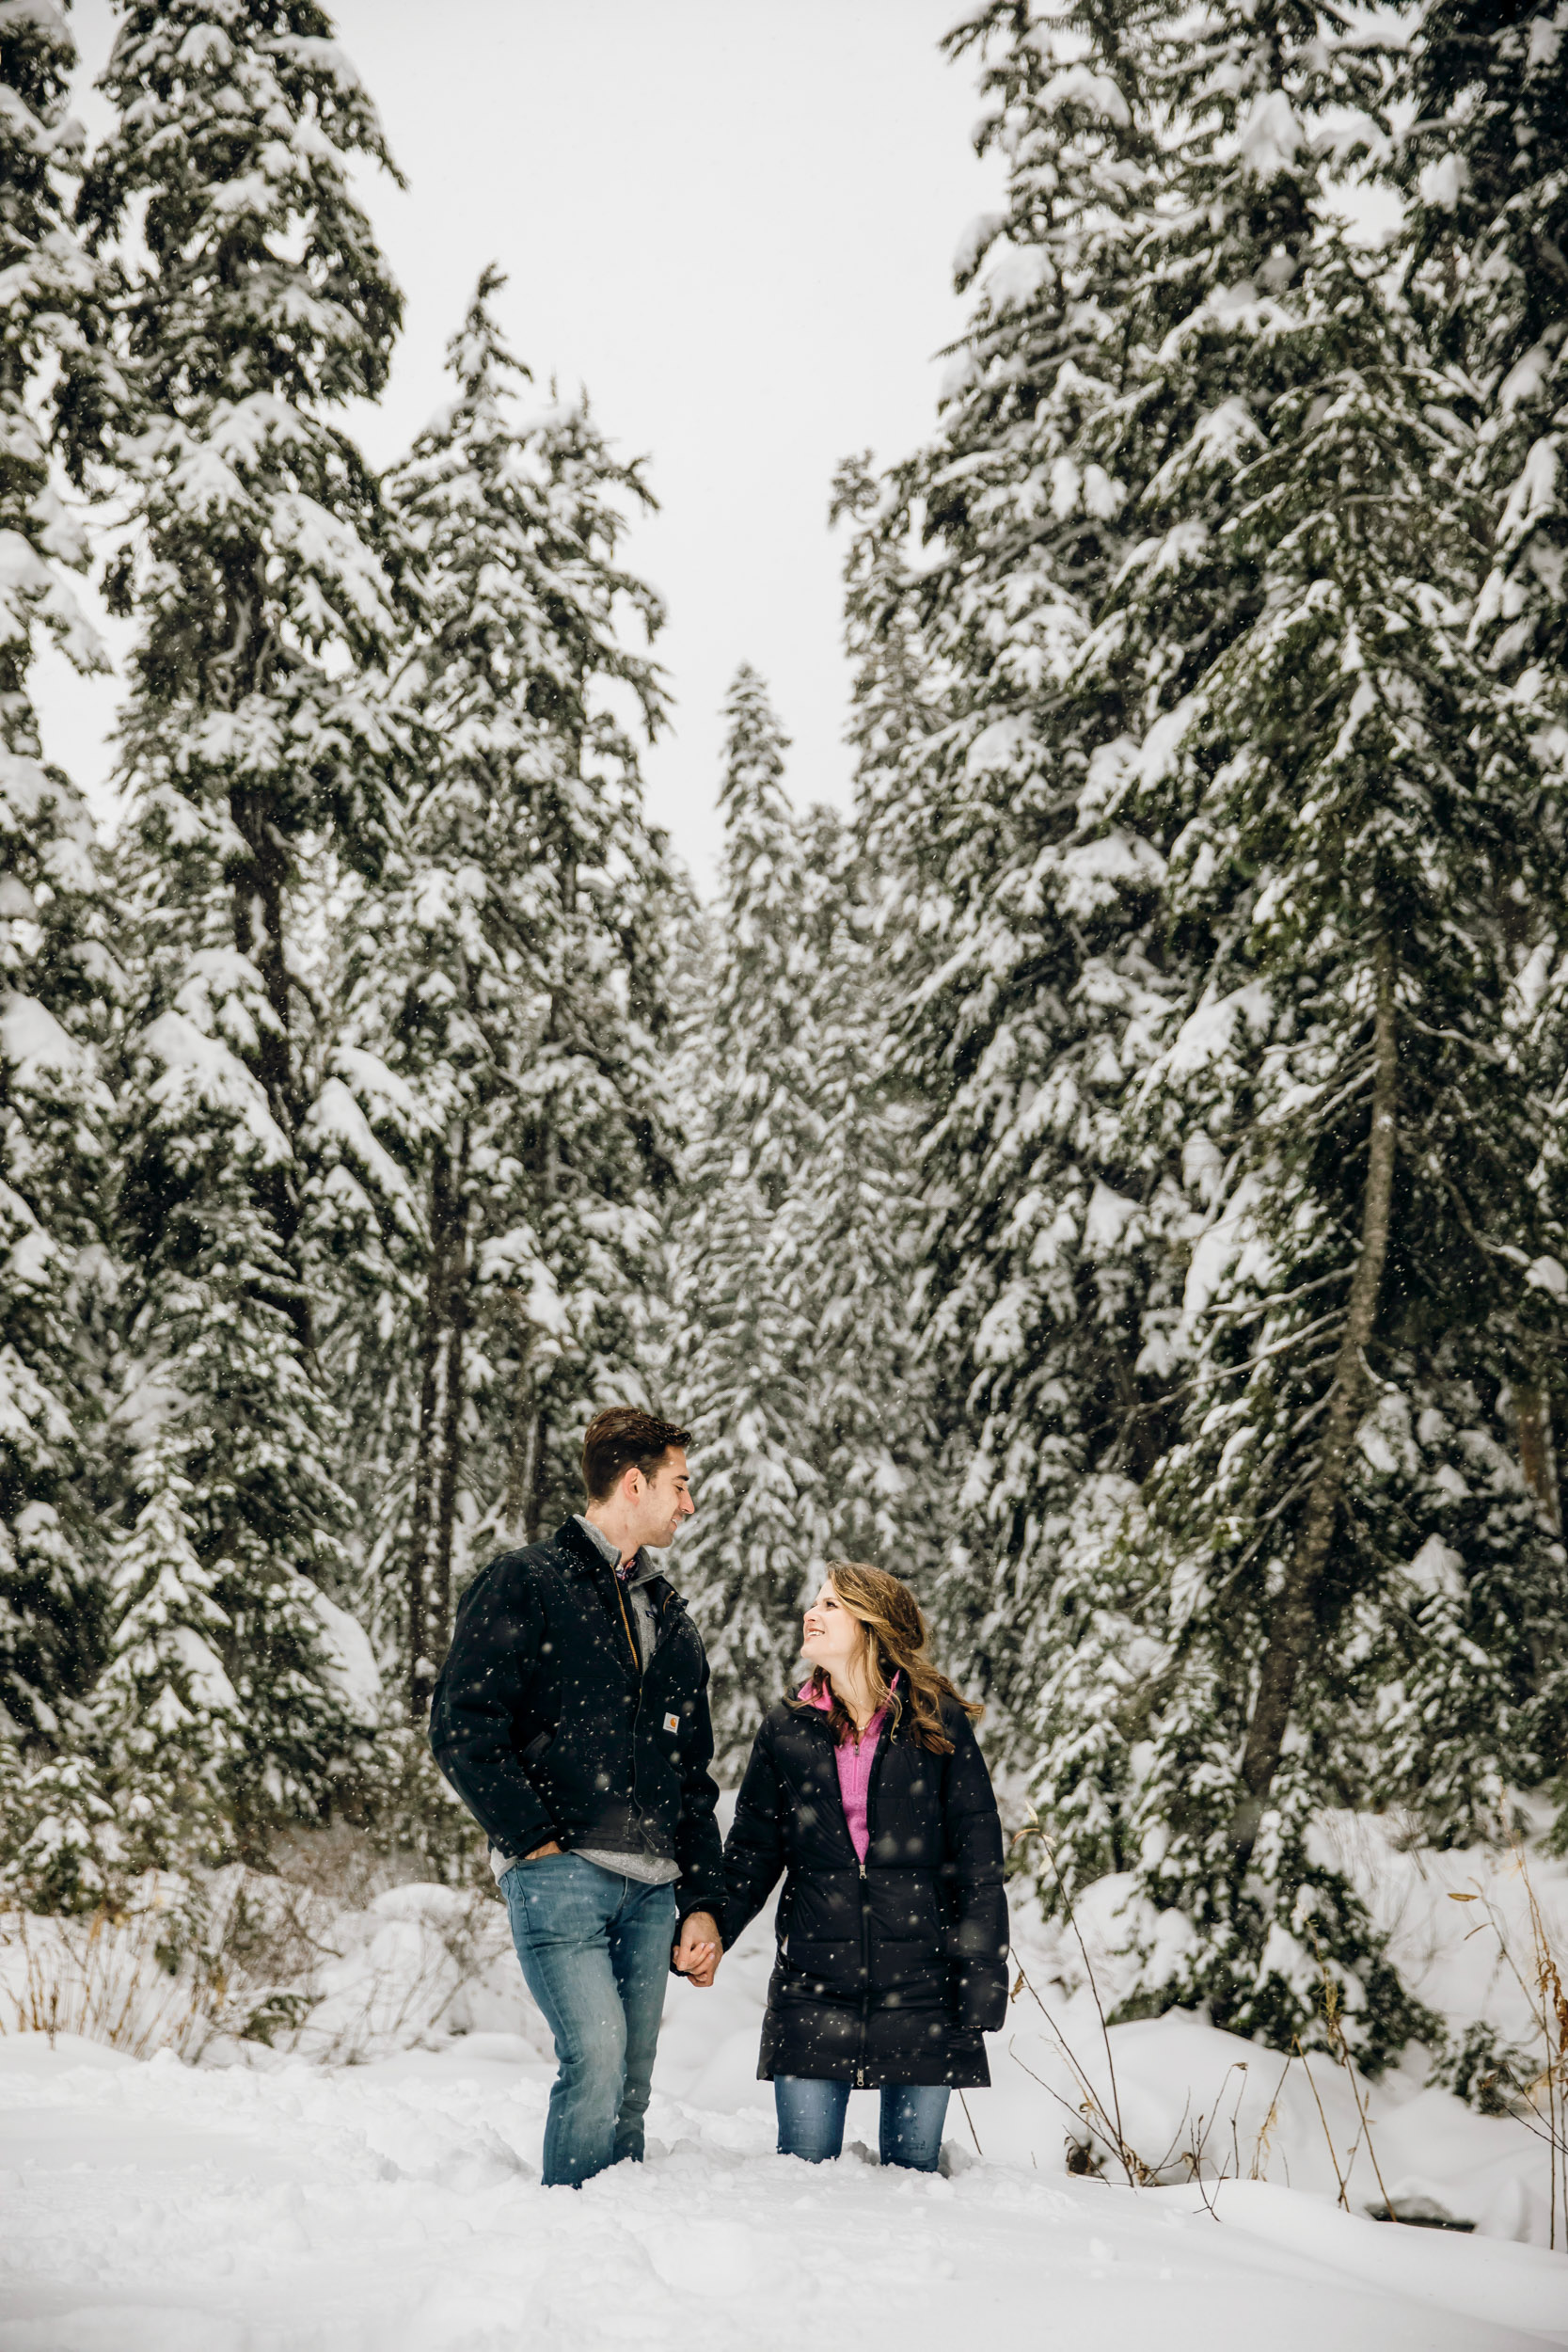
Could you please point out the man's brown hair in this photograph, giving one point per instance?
(625, 1438)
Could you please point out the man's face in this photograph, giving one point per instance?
(660, 1503)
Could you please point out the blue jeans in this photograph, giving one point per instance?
(595, 1953)
(811, 2121)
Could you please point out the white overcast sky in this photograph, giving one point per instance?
(733, 221)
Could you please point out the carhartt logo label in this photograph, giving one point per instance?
(671, 1722)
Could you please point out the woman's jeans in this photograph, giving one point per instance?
(595, 1950)
(811, 2121)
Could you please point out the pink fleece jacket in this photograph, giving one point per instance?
(855, 1758)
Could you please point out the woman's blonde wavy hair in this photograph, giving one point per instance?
(894, 1635)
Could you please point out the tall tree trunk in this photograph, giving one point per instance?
(452, 1410)
(527, 1470)
(1538, 1450)
(524, 1431)
(534, 1503)
(528, 1463)
(525, 1478)
(258, 880)
(1293, 1625)
(434, 1345)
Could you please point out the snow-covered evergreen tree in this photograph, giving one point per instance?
(1346, 802)
(749, 1054)
(1483, 169)
(56, 978)
(173, 1719)
(1021, 916)
(253, 743)
(1226, 857)
(219, 1646)
(812, 1438)
(847, 1231)
(506, 971)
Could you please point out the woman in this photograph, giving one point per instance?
(870, 1792)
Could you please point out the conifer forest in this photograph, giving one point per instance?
(1113, 1174)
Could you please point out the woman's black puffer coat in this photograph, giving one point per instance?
(891, 1970)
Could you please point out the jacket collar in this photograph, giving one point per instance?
(642, 1567)
(807, 1707)
(589, 1560)
(584, 1552)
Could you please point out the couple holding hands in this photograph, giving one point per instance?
(572, 1718)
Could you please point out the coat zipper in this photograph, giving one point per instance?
(631, 1638)
(866, 1910)
(866, 1977)
(662, 1629)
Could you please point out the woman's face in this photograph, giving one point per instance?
(831, 1636)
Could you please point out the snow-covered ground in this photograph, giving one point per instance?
(263, 2202)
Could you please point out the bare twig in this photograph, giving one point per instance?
(1260, 2145)
(1333, 2152)
(1233, 1372)
(1280, 1298)
(1547, 2002)
(1035, 1829)
(1341, 2048)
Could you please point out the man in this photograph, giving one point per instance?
(572, 1719)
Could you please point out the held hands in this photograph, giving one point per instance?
(696, 1956)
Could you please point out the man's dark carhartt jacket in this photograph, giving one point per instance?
(547, 1724)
